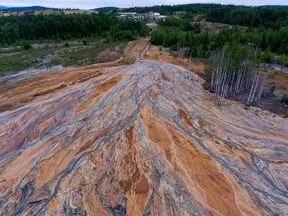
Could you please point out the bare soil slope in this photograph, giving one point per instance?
(140, 139)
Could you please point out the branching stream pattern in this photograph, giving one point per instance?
(143, 140)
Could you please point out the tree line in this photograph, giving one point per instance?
(202, 43)
(273, 17)
(233, 55)
(15, 28)
(169, 9)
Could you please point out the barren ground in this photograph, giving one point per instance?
(139, 137)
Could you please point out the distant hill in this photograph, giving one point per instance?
(103, 9)
(2, 7)
(46, 11)
(32, 8)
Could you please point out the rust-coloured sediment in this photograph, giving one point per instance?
(143, 139)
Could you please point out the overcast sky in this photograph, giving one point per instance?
(89, 4)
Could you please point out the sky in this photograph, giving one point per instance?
(90, 4)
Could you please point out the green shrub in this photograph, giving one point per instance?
(175, 47)
(268, 56)
(26, 45)
(107, 36)
(284, 99)
(272, 89)
(283, 60)
(66, 44)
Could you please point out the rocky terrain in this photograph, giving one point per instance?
(138, 139)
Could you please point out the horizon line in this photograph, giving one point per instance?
(78, 8)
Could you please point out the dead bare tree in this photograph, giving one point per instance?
(233, 72)
(261, 87)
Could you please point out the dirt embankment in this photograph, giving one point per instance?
(269, 101)
(139, 139)
(17, 94)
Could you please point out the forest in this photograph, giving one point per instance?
(233, 55)
(182, 32)
(273, 17)
(268, 16)
(267, 29)
(13, 28)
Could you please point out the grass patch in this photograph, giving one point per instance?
(77, 54)
(81, 56)
(284, 99)
(24, 60)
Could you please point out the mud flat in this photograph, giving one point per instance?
(142, 139)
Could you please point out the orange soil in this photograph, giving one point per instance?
(155, 55)
(16, 95)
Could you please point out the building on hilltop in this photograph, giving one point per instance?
(153, 16)
(135, 16)
(127, 15)
(141, 16)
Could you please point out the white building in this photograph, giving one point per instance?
(127, 16)
(152, 16)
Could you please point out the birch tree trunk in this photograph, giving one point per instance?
(232, 73)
